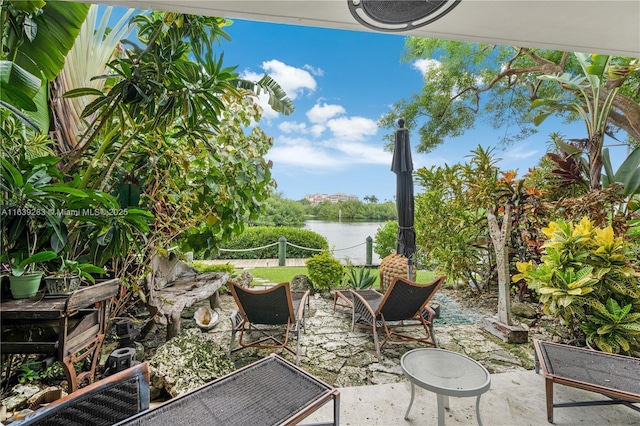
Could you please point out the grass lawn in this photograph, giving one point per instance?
(286, 273)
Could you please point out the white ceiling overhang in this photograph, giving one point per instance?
(590, 26)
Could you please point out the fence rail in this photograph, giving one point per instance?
(282, 244)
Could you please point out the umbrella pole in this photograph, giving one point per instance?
(409, 269)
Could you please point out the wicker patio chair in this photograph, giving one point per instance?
(103, 403)
(268, 317)
(404, 304)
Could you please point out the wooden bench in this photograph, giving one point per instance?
(72, 327)
(174, 285)
(103, 403)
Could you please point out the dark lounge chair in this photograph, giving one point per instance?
(405, 303)
(103, 403)
(272, 314)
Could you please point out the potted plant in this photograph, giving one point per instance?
(24, 281)
(68, 277)
(31, 227)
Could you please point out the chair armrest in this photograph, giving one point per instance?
(236, 319)
(362, 309)
(428, 314)
(304, 302)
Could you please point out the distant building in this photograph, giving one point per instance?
(315, 199)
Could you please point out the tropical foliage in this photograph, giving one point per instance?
(466, 82)
(359, 278)
(448, 229)
(591, 96)
(36, 36)
(452, 228)
(587, 279)
(386, 239)
(151, 145)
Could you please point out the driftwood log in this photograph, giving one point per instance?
(174, 285)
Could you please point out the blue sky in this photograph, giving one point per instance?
(341, 83)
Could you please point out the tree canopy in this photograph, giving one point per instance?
(468, 82)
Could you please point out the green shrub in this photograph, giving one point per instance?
(266, 236)
(203, 267)
(386, 237)
(586, 278)
(325, 271)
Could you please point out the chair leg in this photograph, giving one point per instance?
(353, 318)
(236, 320)
(548, 385)
(376, 342)
(233, 337)
(433, 335)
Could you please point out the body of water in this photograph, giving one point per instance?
(347, 239)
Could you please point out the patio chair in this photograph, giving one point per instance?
(103, 403)
(272, 314)
(404, 304)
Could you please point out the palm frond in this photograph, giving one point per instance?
(278, 98)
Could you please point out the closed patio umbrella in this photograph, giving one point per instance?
(402, 166)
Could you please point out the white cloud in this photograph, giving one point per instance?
(325, 155)
(293, 127)
(317, 130)
(425, 65)
(363, 153)
(320, 114)
(300, 152)
(293, 80)
(352, 128)
(315, 71)
(520, 153)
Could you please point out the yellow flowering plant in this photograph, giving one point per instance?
(586, 277)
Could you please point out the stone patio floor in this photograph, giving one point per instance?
(376, 393)
(341, 357)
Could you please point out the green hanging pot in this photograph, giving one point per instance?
(25, 286)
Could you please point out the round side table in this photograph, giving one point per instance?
(445, 373)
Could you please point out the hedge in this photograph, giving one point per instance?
(260, 236)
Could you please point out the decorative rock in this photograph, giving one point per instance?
(186, 362)
(19, 397)
(523, 310)
(245, 279)
(301, 282)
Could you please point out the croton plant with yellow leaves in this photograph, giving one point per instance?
(586, 277)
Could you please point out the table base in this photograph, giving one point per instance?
(443, 403)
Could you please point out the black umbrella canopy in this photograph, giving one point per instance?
(402, 166)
